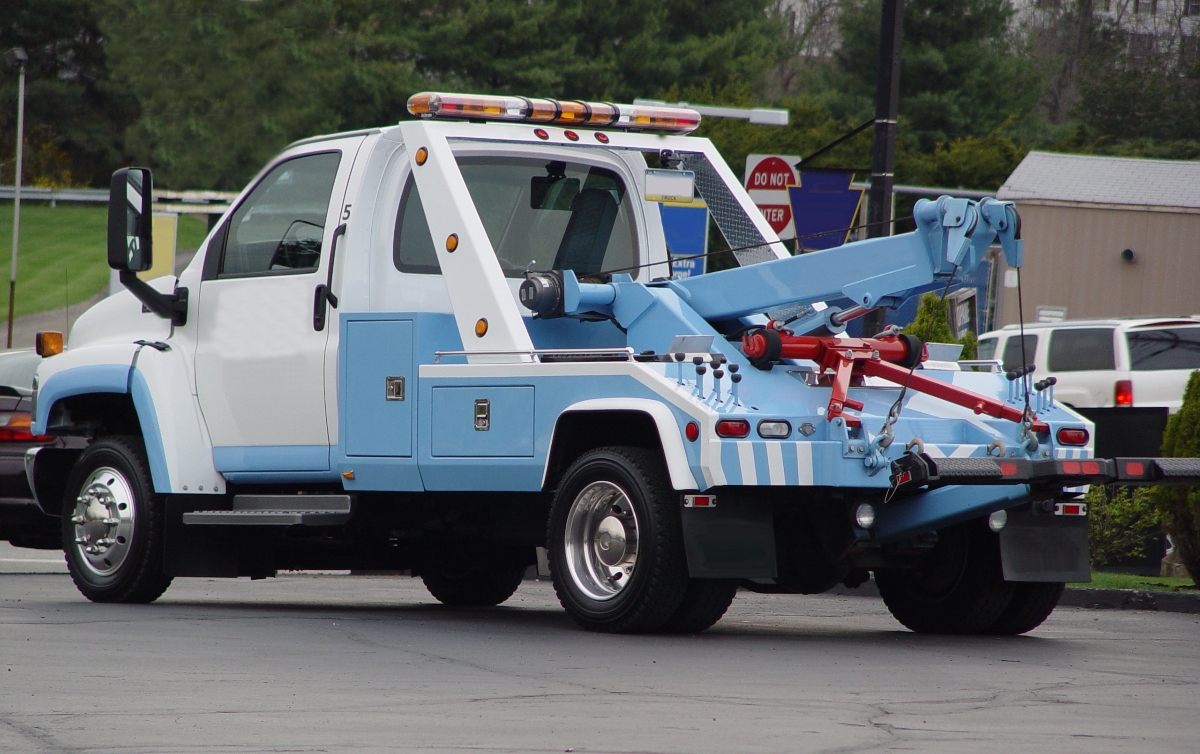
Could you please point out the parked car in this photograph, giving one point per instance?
(1105, 362)
(22, 522)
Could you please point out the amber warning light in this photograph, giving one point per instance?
(678, 120)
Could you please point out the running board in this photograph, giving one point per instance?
(278, 510)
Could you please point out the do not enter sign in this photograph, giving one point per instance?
(767, 181)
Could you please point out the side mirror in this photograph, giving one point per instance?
(130, 216)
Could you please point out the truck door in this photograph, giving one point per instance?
(259, 355)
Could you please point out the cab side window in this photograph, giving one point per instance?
(280, 226)
(412, 243)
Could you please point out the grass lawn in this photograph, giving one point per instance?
(61, 257)
(1104, 580)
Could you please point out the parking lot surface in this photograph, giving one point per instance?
(305, 663)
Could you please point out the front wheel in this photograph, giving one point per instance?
(112, 524)
(615, 542)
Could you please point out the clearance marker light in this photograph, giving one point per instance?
(558, 112)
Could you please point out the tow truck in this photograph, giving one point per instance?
(454, 347)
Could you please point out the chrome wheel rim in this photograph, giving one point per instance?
(601, 540)
(103, 519)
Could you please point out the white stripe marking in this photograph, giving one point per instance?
(775, 463)
(804, 464)
(934, 451)
(963, 451)
(746, 459)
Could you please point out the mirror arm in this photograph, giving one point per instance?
(168, 306)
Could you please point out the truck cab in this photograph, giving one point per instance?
(454, 347)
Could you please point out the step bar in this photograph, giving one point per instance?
(916, 470)
(277, 510)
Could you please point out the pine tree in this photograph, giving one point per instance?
(1180, 506)
(932, 324)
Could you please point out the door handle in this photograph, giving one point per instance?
(324, 294)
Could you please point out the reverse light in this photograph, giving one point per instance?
(1072, 436)
(864, 515)
(997, 520)
(17, 428)
(1123, 393)
(774, 429)
(733, 428)
(558, 112)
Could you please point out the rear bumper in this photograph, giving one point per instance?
(914, 471)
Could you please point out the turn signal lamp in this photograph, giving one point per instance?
(1072, 436)
(1123, 393)
(558, 112)
(48, 343)
(733, 428)
(17, 429)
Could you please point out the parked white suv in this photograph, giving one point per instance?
(1105, 362)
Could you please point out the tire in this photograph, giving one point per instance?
(112, 524)
(704, 602)
(615, 542)
(1031, 604)
(472, 587)
(957, 588)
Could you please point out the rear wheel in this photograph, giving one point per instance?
(957, 588)
(615, 542)
(704, 602)
(112, 524)
(472, 586)
(1031, 604)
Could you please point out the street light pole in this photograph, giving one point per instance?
(883, 153)
(16, 56)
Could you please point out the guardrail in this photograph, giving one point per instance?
(184, 202)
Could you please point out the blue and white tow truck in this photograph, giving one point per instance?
(441, 346)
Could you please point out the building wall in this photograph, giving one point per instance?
(1073, 259)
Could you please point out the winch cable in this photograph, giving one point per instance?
(1028, 418)
(893, 414)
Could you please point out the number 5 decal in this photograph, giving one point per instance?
(346, 213)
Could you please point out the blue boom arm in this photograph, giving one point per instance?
(952, 236)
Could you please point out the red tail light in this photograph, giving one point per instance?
(1072, 436)
(17, 429)
(733, 428)
(1123, 393)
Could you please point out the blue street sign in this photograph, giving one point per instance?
(823, 207)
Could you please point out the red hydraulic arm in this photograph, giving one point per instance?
(889, 357)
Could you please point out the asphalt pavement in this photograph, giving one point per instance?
(305, 663)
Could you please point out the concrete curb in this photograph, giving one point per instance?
(1096, 599)
(1131, 599)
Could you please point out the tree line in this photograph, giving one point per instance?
(205, 91)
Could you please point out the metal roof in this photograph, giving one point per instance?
(1090, 179)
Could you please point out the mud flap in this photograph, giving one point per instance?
(733, 539)
(1037, 546)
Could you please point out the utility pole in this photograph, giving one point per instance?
(883, 152)
(16, 56)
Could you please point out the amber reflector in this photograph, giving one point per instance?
(452, 242)
(481, 328)
(49, 343)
